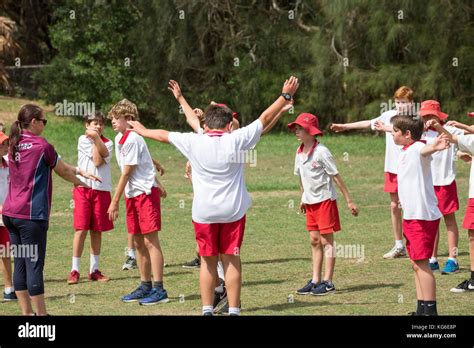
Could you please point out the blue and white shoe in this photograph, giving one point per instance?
(156, 296)
(434, 266)
(9, 297)
(306, 290)
(137, 294)
(450, 267)
(323, 288)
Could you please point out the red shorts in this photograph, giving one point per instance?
(468, 222)
(448, 201)
(391, 183)
(90, 210)
(4, 236)
(420, 236)
(220, 238)
(144, 213)
(323, 217)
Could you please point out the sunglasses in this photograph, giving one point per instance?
(42, 120)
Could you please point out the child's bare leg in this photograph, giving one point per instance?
(471, 248)
(453, 234)
(419, 292)
(24, 302)
(143, 258)
(39, 304)
(427, 279)
(436, 243)
(96, 242)
(7, 272)
(208, 277)
(233, 278)
(78, 243)
(396, 214)
(329, 255)
(152, 244)
(197, 251)
(317, 254)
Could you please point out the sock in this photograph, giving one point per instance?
(94, 263)
(420, 307)
(76, 264)
(146, 285)
(207, 309)
(131, 253)
(433, 259)
(472, 276)
(453, 259)
(220, 269)
(399, 244)
(158, 285)
(8, 291)
(234, 310)
(430, 308)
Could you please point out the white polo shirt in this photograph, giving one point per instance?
(85, 162)
(466, 144)
(316, 169)
(4, 180)
(443, 166)
(220, 194)
(131, 150)
(415, 185)
(392, 151)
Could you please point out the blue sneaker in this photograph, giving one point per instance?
(323, 288)
(434, 266)
(155, 296)
(9, 297)
(450, 267)
(136, 295)
(305, 290)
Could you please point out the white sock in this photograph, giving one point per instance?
(94, 263)
(220, 269)
(207, 309)
(131, 253)
(76, 264)
(399, 244)
(8, 291)
(453, 259)
(234, 310)
(433, 259)
(314, 281)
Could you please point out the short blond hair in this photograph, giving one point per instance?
(404, 92)
(124, 108)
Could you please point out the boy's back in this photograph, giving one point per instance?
(220, 194)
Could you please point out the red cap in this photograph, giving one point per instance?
(432, 107)
(222, 105)
(3, 137)
(470, 114)
(309, 122)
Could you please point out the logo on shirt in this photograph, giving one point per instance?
(24, 146)
(315, 164)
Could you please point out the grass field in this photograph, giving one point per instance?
(276, 252)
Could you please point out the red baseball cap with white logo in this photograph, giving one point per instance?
(308, 122)
(432, 107)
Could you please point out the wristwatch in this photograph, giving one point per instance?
(287, 96)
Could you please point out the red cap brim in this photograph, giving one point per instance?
(311, 130)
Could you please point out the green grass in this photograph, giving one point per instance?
(276, 252)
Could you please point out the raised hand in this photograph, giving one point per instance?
(441, 142)
(137, 127)
(290, 86)
(173, 86)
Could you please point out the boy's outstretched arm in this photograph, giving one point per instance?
(277, 118)
(467, 129)
(452, 138)
(160, 135)
(114, 204)
(345, 192)
(342, 127)
(158, 167)
(191, 116)
(290, 86)
(441, 143)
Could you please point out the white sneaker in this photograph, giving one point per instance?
(396, 253)
(467, 285)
